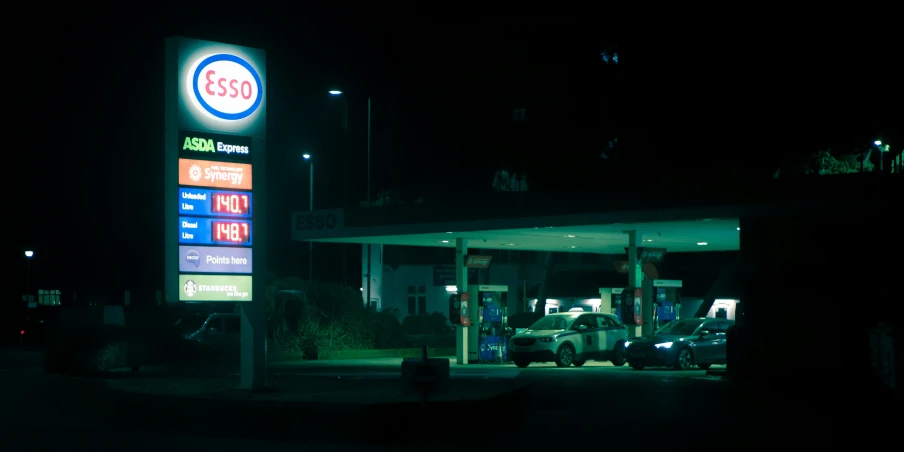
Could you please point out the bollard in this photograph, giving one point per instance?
(424, 375)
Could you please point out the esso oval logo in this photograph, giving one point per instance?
(226, 87)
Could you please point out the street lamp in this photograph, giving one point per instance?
(882, 150)
(28, 255)
(310, 161)
(337, 92)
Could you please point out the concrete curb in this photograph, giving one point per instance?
(350, 355)
(388, 353)
(284, 357)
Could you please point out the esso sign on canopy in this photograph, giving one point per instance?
(225, 86)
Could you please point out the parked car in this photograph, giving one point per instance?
(570, 338)
(37, 321)
(13, 322)
(682, 344)
(220, 330)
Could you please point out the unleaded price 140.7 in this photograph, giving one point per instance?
(231, 203)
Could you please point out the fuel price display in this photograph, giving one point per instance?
(214, 231)
(219, 203)
(230, 232)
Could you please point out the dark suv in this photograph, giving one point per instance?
(682, 344)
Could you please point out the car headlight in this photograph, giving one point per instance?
(664, 345)
(547, 339)
(627, 344)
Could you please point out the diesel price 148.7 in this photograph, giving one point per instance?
(214, 231)
(230, 232)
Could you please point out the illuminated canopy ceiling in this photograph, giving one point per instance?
(674, 236)
(679, 221)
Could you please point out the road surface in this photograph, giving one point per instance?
(571, 407)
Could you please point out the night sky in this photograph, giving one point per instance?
(695, 98)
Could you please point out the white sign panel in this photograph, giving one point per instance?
(221, 88)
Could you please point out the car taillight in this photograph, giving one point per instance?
(22, 333)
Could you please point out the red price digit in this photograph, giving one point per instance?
(232, 232)
(234, 204)
(222, 231)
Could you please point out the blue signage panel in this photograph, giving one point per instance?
(214, 231)
(492, 313)
(489, 348)
(218, 203)
(214, 259)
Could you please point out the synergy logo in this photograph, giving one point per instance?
(195, 173)
(225, 87)
(206, 173)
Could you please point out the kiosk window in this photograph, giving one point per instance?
(417, 300)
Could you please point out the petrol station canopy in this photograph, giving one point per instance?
(675, 219)
(539, 223)
(707, 234)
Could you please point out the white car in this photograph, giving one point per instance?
(570, 338)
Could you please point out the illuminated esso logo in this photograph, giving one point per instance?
(225, 86)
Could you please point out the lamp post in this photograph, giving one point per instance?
(337, 92)
(310, 161)
(882, 150)
(28, 255)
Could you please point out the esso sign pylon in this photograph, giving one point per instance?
(225, 87)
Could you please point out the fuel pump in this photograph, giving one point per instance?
(616, 303)
(455, 308)
(627, 302)
(664, 298)
(626, 306)
(494, 332)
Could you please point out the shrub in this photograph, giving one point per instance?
(387, 329)
(311, 317)
(85, 352)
